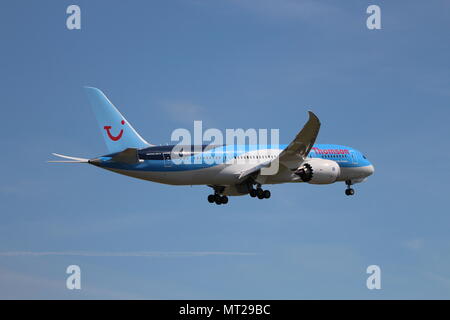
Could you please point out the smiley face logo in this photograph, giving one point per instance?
(114, 138)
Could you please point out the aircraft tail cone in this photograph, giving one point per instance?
(95, 162)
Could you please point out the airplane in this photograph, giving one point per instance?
(240, 170)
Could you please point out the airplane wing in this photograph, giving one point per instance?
(72, 159)
(254, 169)
(299, 148)
(296, 152)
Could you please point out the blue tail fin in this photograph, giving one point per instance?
(117, 131)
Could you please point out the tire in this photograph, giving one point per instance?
(211, 198)
(224, 200)
(253, 193)
(349, 192)
(217, 199)
(260, 193)
(266, 194)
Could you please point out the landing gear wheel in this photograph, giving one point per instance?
(253, 193)
(349, 191)
(224, 199)
(211, 198)
(217, 199)
(260, 193)
(266, 194)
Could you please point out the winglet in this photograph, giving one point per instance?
(313, 117)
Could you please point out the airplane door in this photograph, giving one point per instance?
(167, 159)
(354, 158)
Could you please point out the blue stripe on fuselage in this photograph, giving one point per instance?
(157, 158)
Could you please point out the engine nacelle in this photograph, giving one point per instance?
(319, 171)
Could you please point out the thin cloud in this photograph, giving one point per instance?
(443, 280)
(296, 9)
(18, 285)
(184, 111)
(126, 254)
(415, 244)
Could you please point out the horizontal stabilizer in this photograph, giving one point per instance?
(129, 156)
(71, 159)
(66, 161)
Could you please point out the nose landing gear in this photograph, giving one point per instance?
(349, 191)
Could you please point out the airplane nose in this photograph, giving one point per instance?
(370, 170)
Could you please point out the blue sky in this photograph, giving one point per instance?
(232, 64)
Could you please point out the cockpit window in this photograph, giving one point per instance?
(364, 157)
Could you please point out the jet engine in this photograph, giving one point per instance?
(318, 171)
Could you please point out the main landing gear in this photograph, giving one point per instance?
(260, 193)
(218, 198)
(349, 191)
